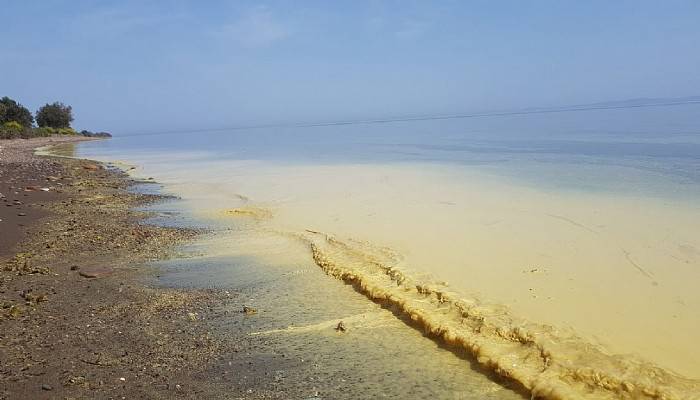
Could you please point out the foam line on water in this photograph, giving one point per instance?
(549, 363)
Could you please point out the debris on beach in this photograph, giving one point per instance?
(341, 327)
(14, 311)
(76, 380)
(22, 265)
(249, 310)
(33, 298)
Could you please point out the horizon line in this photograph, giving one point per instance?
(611, 105)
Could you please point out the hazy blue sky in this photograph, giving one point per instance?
(146, 65)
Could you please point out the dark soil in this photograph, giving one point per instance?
(76, 319)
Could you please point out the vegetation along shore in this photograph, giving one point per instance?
(16, 121)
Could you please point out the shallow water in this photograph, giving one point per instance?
(561, 251)
(290, 345)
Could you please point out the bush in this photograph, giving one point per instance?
(66, 131)
(56, 115)
(95, 134)
(53, 119)
(11, 110)
(44, 132)
(14, 125)
(11, 130)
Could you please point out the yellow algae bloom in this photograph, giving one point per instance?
(249, 212)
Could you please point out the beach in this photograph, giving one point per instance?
(262, 280)
(77, 318)
(98, 303)
(350, 200)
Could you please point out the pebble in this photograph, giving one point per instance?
(46, 386)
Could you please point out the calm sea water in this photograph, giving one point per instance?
(577, 150)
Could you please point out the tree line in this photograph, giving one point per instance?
(16, 121)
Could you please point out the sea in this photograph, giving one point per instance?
(550, 254)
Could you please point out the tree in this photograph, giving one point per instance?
(11, 110)
(56, 115)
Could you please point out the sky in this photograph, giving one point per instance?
(143, 66)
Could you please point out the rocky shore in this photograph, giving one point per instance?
(76, 318)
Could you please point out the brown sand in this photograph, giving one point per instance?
(22, 177)
(76, 319)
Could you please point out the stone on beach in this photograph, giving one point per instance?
(91, 167)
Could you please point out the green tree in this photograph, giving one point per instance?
(56, 115)
(11, 110)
